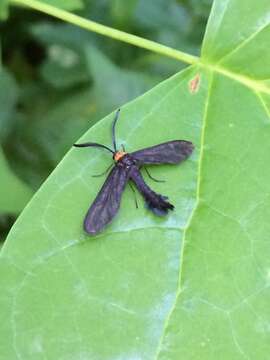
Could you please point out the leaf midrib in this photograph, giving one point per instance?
(189, 221)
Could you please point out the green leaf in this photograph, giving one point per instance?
(14, 194)
(194, 285)
(66, 4)
(159, 14)
(114, 86)
(122, 11)
(8, 98)
(63, 35)
(114, 274)
(69, 5)
(3, 9)
(65, 65)
(63, 123)
(222, 306)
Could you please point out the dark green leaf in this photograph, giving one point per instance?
(8, 98)
(3, 9)
(114, 86)
(14, 194)
(66, 4)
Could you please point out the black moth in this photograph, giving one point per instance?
(127, 167)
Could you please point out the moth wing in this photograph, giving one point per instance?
(107, 202)
(171, 152)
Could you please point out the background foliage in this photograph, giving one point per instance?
(58, 80)
(193, 285)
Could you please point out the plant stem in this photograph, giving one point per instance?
(108, 31)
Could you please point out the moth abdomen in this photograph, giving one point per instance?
(157, 203)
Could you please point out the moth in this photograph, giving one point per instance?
(127, 167)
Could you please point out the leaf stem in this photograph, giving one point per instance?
(108, 31)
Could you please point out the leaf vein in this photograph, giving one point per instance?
(243, 43)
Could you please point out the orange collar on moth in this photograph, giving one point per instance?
(118, 155)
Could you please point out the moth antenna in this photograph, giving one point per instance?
(113, 129)
(90, 144)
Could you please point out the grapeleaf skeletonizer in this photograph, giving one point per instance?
(127, 167)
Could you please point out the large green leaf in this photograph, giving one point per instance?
(117, 274)
(194, 285)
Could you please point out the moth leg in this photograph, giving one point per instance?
(134, 192)
(123, 147)
(104, 172)
(151, 177)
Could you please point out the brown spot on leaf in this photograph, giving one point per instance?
(194, 84)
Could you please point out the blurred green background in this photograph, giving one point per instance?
(57, 80)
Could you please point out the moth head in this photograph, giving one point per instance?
(118, 155)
